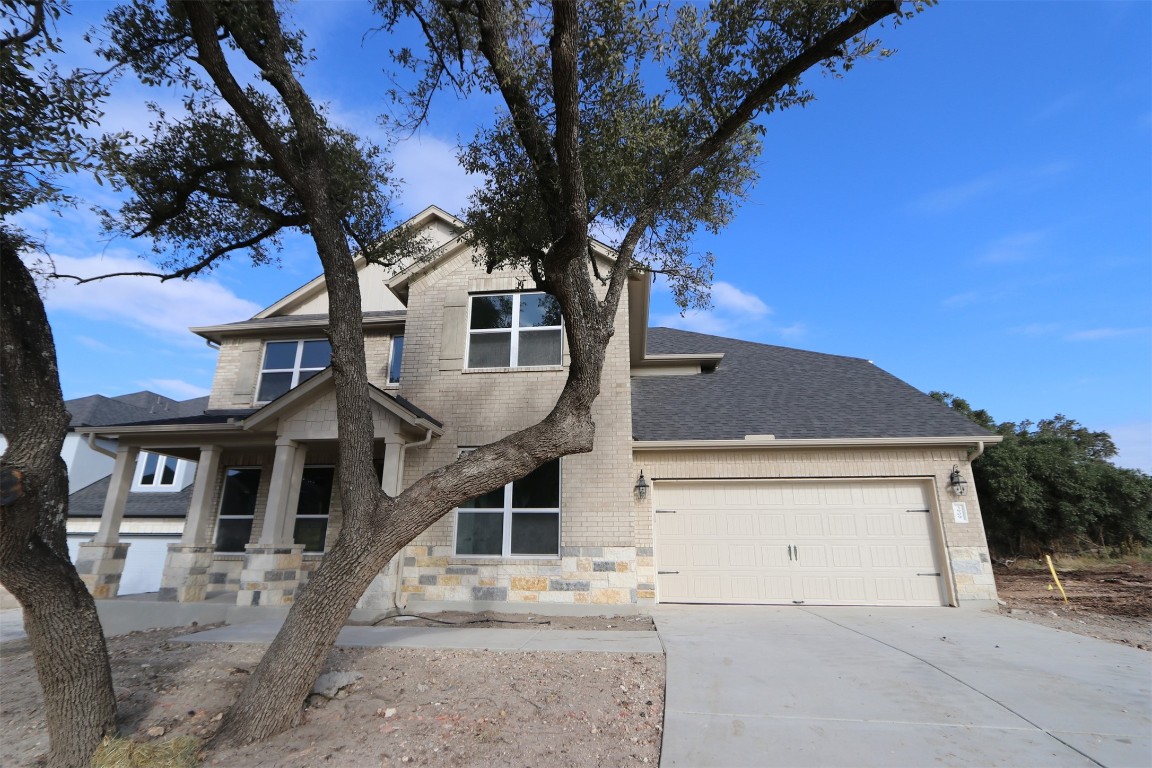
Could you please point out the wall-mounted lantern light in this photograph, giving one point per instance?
(957, 482)
(641, 487)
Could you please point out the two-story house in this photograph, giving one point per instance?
(723, 471)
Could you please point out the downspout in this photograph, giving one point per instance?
(399, 559)
(99, 449)
(979, 451)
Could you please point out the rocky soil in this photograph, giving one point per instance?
(1110, 602)
(383, 707)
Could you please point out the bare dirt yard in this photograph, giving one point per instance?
(1108, 601)
(407, 707)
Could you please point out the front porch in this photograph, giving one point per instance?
(264, 505)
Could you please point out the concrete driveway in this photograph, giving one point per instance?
(892, 687)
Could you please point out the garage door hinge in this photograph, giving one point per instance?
(665, 511)
(928, 574)
(667, 573)
(918, 510)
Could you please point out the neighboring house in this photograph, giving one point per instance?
(160, 489)
(723, 471)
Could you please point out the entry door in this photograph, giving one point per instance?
(808, 543)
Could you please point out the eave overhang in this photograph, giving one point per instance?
(762, 442)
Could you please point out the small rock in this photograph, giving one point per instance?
(421, 688)
(330, 683)
(390, 712)
(219, 716)
(156, 731)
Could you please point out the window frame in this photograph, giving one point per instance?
(296, 370)
(326, 517)
(220, 509)
(156, 486)
(395, 361)
(508, 511)
(514, 330)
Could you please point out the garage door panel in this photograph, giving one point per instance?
(811, 542)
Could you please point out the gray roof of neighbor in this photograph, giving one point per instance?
(759, 389)
(99, 411)
(89, 502)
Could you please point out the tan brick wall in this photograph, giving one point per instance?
(597, 511)
(965, 545)
(238, 368)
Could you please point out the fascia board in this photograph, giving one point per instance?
(217, 332)
(851, 442)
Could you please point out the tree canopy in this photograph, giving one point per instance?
(1050, 486)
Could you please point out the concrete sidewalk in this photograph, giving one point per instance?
(483, 639)
(783, 687)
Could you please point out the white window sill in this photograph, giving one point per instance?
(501, 560)
(517, 369)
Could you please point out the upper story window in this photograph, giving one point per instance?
(288, 364)
(510, 330)
(395, 359)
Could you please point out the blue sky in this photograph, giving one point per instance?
(973, 214)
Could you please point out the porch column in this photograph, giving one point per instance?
(381, 593)
(292, 502)
(100, 562)
(185, 577)
(271, 573)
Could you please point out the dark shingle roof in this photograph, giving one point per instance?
(99, 411)
(759, 389)
(89, 502)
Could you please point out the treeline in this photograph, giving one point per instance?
(1050, 487)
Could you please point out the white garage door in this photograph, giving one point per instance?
(808, 543)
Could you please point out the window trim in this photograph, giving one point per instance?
(508, 511)
(395, 362)
(221, 516)
(138, 484)
(513, 331)
(295, 370)
(326, 517)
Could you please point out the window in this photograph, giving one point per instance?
(312, 509)
(156, 471)
(237, 508)
(395, 359)
(288, 364)
(511, 330)
(520, 519)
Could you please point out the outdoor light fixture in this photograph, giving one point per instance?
(641, 487)
(957, 483)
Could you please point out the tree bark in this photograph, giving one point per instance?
(60, 616)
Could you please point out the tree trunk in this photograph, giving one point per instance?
(59, 614)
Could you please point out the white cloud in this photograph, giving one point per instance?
(1011, 181)
(431, 175)
(163, 310)
(1017, 247)
(734, 313)
(176, 389)
(1104, 334)
(1134, 441)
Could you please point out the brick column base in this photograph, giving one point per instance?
(100, 567)
(185, 577)
(271, 575)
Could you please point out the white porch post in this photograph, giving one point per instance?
(122, 472)
(199, 508)
(292, 502)
(100, 562)
(383, 592)
(186, 568)
(271, 573)
(279, 492)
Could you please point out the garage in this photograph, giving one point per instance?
(773, 542)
